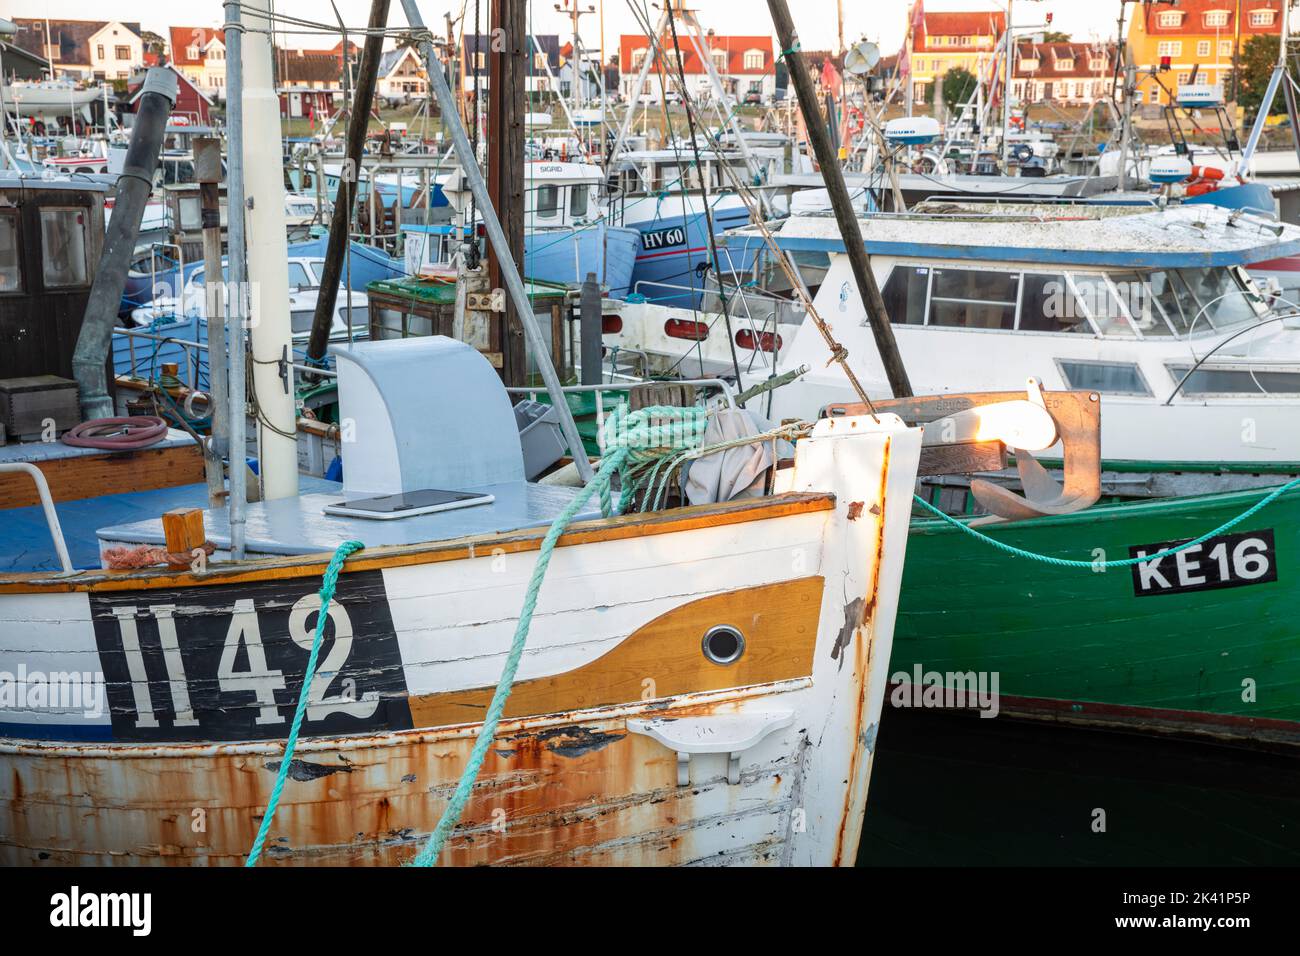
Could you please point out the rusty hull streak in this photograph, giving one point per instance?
(580, 790)
(863, 649)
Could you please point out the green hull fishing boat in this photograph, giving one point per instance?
(1205, 642)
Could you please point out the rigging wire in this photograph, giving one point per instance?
(704, 192)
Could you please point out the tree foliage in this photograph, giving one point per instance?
(1258, 57)
(958, 87)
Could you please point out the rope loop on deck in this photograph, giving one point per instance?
(1103, 565)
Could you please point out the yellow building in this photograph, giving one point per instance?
(942, 41)
(1199, 38)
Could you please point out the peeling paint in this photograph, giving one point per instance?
(855, 510)
(302, 770)
(868, 737)
(852, 616)
(576, 741)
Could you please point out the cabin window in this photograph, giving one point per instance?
(11, 275)
(65, 247)
(905, 293)
(1223, 297)
(1112, 378)
(1048, 304)
(974, 299)
(1219, 381)
(298, 278)
(578, 201)
(548, 202)
(360, 317)
(300, 320)
(1101, 302)
(1203, 300)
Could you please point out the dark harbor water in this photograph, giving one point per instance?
(954, 789)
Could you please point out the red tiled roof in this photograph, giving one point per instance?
(1193, 19)
(1051, 58)
(734, 46)
(182, 38)
(984, 23)
(972, 23)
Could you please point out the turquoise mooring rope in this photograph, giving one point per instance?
(1102, 565)
(639, 436)
(328, 583)
(428, 854)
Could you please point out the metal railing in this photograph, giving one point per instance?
(47, 505)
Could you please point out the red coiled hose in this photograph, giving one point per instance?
(117, 434)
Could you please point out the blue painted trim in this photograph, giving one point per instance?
(57, 733)
(1061, 257)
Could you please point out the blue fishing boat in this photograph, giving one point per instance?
(663, 195)
(566, 236)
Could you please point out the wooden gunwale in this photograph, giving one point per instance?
(592, 531)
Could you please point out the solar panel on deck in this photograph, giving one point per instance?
(424, 501)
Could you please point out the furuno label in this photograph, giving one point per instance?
(1224, 561)
(227, 663)
(663, 238)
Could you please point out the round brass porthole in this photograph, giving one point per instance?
(723, 644)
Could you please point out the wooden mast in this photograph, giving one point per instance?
(507, 90)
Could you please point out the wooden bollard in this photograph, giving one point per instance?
(184, 531)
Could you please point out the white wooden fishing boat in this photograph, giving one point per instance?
(701, 685)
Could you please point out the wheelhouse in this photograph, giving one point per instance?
(1180, 303)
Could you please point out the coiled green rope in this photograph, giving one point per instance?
(328, 583)
(1102, 565)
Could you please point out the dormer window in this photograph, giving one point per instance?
(1216, 18)
(719, 60)
(1096, 64)
(1261, 18)
(192, 51)
(754, 59)
(1065, 66)
(1170, 18)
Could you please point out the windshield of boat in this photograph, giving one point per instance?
(1174, 302)
(1187, 302)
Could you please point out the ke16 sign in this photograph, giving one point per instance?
(1224, 561)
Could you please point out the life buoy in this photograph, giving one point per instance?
(1201, 187)
(1206, 172)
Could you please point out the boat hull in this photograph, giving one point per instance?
(566, 255)
(675, 253)
(201, 671)
(1173, 648)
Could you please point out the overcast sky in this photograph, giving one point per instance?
(882, 21)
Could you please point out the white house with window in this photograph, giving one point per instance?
(401, 74)
(746, 66)
(116, 51)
